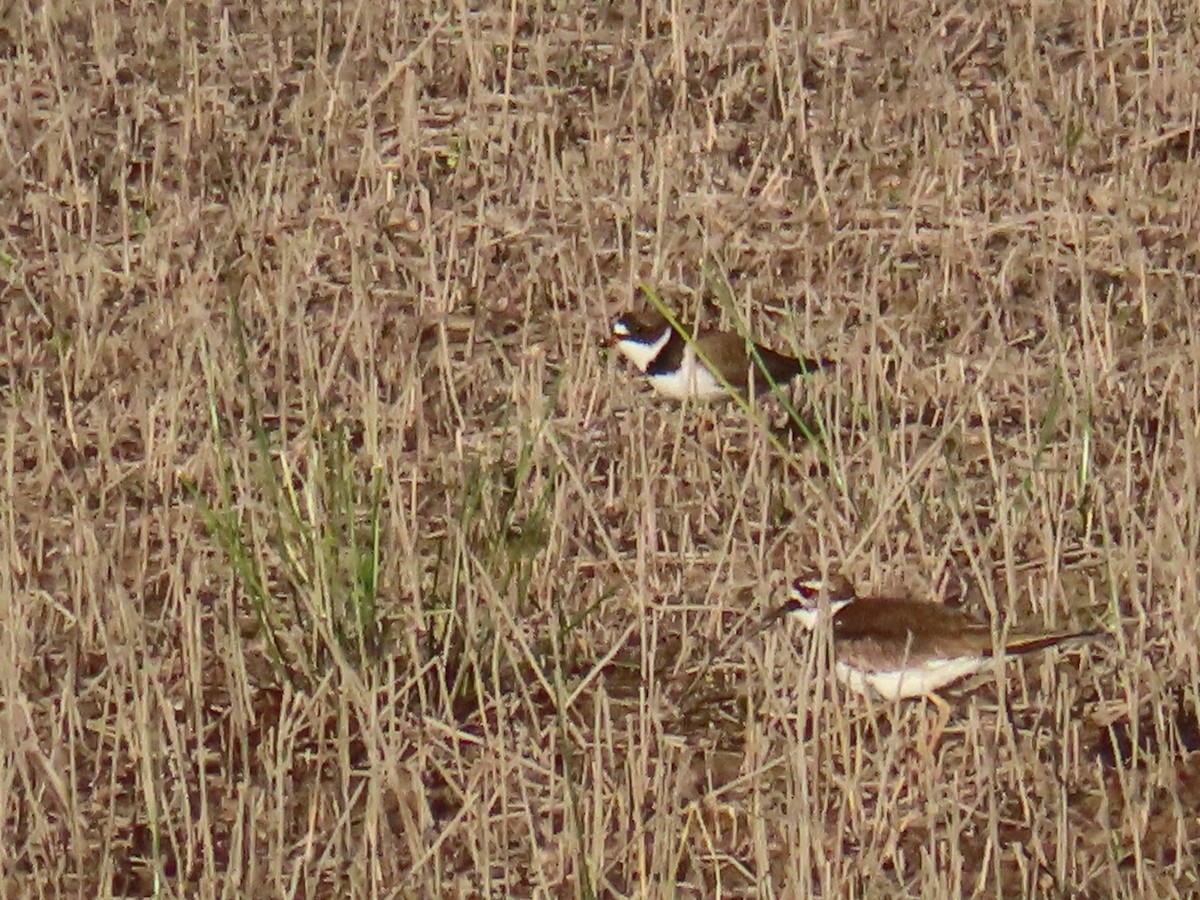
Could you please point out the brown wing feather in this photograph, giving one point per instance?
(923, 629)
(723, 346)
(720, 348)
(915, 627)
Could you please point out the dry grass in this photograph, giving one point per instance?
(397, 597)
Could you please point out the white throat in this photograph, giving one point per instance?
(811, 617)
(641, 355)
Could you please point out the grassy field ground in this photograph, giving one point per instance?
(343, 558)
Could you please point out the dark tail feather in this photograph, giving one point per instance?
(809, 364)
(783, 369)
(1041, 642)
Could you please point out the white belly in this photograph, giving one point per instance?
(918, 681)
(691, 379)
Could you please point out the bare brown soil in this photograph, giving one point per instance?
(342, 558)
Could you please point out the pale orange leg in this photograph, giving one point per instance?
(943, 717)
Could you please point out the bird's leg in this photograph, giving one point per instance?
(943, 717)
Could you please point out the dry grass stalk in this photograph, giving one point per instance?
(396, 599)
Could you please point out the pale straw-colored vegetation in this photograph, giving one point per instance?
(341, 558)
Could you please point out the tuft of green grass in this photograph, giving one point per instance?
(302, 539)
(500, 534)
